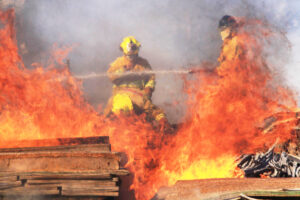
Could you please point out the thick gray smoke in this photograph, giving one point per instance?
(173, 34)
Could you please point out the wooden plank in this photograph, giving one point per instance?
(119, 172)
(74, 175)
(102, 175)
(90, 192)
(208, 188)
(99, 174)
(82, 183)
(58, 161)
(84, 140)
(65, 175)
(55, 154)
(273, 193)
(6, 185)
(41, 187)
(82, 188)
(64, 148)
(9, 178)
(57, 142)
(23, 191)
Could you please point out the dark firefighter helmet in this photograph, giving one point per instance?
(227, 21)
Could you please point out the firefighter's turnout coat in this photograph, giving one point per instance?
(129, 94)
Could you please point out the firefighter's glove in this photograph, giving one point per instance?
(148, 92)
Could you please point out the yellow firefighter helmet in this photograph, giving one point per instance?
(130, 46)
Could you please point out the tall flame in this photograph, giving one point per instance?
(224, 112)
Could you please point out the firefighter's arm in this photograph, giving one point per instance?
(115, 71)
(150, 84)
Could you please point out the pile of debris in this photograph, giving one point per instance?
(285, 162)
(87, 168)
(270, 164)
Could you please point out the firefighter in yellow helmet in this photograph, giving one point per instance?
(133, 84)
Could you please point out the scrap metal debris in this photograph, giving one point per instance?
(270, 164)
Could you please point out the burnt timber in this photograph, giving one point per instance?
(76, 168)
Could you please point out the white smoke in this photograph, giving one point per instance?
(173, 34)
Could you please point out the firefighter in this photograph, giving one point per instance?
(133, 85)
(232, 47)
(239, 50)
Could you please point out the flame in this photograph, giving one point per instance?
(222, 167)
(225, 109)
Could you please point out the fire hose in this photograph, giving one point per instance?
(165, 72)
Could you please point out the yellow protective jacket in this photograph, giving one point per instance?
(233, 52)
(122, 65)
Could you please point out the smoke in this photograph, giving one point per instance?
(173, 34)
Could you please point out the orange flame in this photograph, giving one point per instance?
(225, 109)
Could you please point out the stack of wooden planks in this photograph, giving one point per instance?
(87, 169)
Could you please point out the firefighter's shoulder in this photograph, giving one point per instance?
(119, 61)
(144, 62)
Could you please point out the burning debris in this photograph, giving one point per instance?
(281, 160)
(270, 164)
